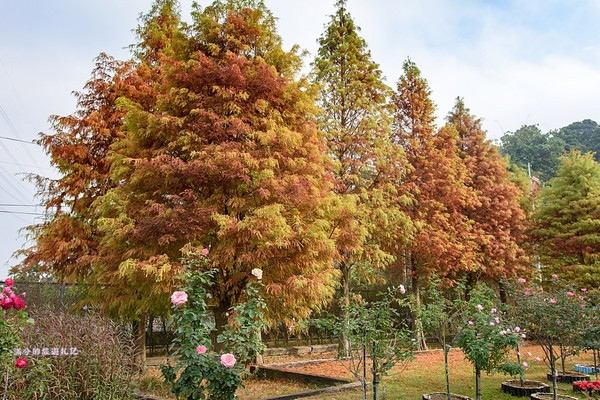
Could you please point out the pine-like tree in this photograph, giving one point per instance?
(356, 120)
(497, 219)
(566, 223)
(206, 139)
(442, 243)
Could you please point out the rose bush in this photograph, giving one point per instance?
(553, 316)
(486, 338)
(211, 367)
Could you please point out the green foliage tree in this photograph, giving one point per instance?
(442, 242)
(442, 314)
(206, 136)
(582, 135)
(376, 328)
(529, 147)
(567, 220)
(356, 121)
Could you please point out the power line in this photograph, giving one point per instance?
(17, 140)
(20, 212)
(27, 165)
(5, 115)
(19, 205)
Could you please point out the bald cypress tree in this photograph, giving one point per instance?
(208, 140)
(356, 120)
(497, 218)
(442, 244)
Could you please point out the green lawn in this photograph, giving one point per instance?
(426, 375)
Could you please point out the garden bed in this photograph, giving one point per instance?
(514, 387)
(568, 377)
(550, 396)
(444, 396)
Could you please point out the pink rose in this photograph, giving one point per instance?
(554, 276)
(9, 281)
(581, 298)
(493, 311)
(497, 320)
(470, 322)
(7, 290)
(21, 362)
(205, 252)
(521, 280)
(479, 307)
(525, 364)
(524, 336)
(492, 324)
(553, 301)
(538, 359)
(228, 360)
(570, 294)
(6, 303)
(517, 329)
(527, 292)
(201, 349)
(179, 298)
(583, 290)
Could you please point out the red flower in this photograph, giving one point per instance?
(6, 303)
(18, 303)
(21, 362)
(9, 281)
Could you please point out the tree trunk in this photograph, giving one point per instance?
(446, 366)
(477, 384)
(596, 363)
(553, 371)
(345, 304)
(418, 324)
(503, 294)
(139, 331)
(221, 315)
(562, 358)
(470, 284)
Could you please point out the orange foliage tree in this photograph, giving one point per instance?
(442, 243)
(205, 139)
(497, 217)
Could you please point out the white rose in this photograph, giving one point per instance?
(257, 272)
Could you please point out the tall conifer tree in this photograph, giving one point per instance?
(356, 120)
(566, 223)
(205, 140)
(442, 243)
(498, 221)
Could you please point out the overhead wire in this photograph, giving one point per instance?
(5, 115)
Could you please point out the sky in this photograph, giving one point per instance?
(514, 63)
